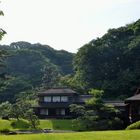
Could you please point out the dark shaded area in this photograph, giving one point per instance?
(20, 124)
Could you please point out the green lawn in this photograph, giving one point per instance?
(65, 125)
(12, 124)
(23, 125)
(57, 124)
(99, 135)
(4, 124)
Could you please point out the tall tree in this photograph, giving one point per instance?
(5, 110)
(96, 115)
(2, 32)
(3, 54)
(111, 62)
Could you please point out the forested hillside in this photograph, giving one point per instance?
(110, 63)
(32, 65)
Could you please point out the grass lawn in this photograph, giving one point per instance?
(57, 124)
(50, 124)
(13, 124)
(97, 135)
(4, 124)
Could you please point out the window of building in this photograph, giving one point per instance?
(64, 99)
(44, 111)
(56, 98)
(62, 111)
(47, 99)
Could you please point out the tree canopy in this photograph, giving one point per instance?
(111, 63)
(32, 66)
(96, 115)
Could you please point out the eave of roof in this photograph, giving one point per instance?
(57, 91)
(115, 103)
(134, 98)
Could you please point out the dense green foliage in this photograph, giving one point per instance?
(96, 115)
(21, 109)
(111, 63)
(62, 59)
(135, 125)
(32, 119)
(104, 135)
(32, 66)
(5, 109)
(3, 55)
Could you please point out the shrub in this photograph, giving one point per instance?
(20, 124)
(5, 118)
(4, 131)
(135, 125)
(7, 132)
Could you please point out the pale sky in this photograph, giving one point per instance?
(64, 24)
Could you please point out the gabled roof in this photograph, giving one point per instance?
(58, 91)
(134, 98)
(115, 103)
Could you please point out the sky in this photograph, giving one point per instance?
(64, 24)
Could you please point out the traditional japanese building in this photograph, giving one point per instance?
(133, 105)
(54, 103)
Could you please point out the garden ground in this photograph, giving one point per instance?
(63, 125)
(12, 124)
(94, 135)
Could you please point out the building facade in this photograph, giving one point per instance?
(54, 103)
(133, 105)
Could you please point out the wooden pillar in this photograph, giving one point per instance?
(130, 113)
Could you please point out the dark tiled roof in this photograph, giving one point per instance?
(134, 98)
(57, 91)
(115, 103)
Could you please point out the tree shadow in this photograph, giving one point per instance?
(62, 124)
(20, 124)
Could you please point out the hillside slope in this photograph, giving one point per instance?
(112, 62)
(33, 65)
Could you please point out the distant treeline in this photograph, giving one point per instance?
(30, 66)
(110, 63)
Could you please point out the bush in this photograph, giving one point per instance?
(5, 118)
(135, 125)
(115, 124)
(4, 131)
(7, 132)
(20, 124)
